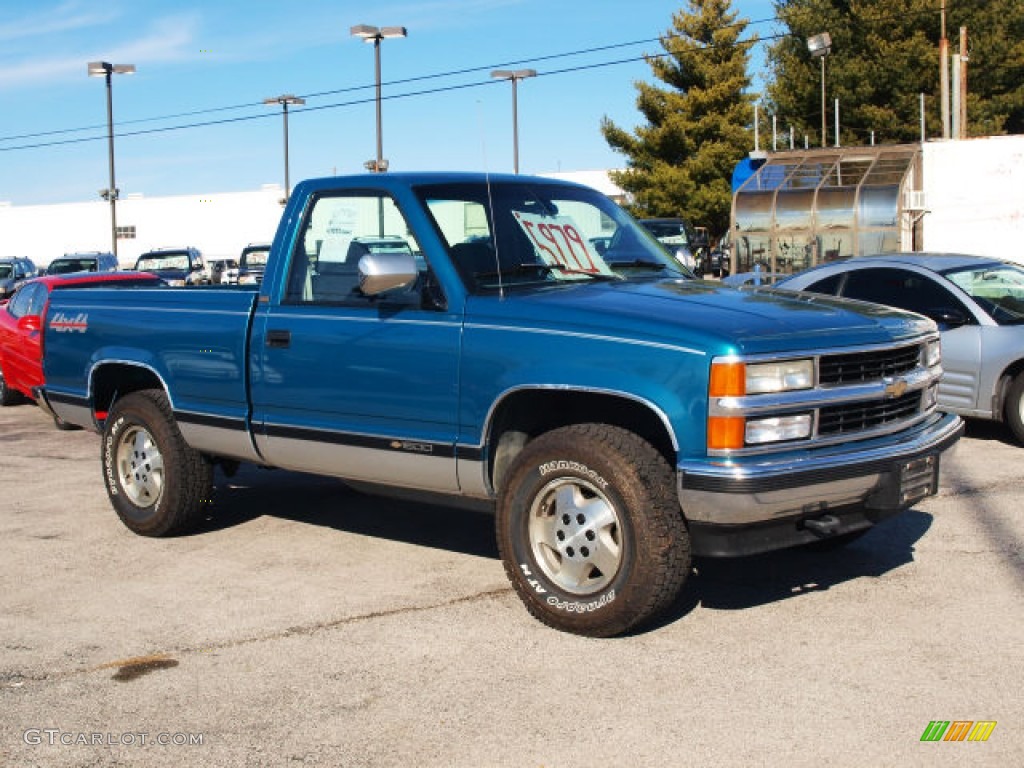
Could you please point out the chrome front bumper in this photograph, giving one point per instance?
(880, 474)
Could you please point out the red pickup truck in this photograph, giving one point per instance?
(21, 350)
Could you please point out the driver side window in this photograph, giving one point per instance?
(338, 231)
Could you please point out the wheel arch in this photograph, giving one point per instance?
(1003, 382)
(522, 413)
(109, 381)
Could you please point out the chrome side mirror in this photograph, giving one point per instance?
(382, 272)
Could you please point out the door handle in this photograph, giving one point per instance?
(280, 339)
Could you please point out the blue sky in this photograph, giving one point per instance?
(194, 56)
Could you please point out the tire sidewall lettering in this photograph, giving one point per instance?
(562, 465)
(109, 460)
(574, 606)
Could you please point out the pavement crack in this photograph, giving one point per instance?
(18, 680)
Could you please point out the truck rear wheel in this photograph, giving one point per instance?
(590, 531)
(158, 485)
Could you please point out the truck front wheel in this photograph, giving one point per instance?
(590, 531)
(158, 485)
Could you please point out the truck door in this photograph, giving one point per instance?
(359, 387)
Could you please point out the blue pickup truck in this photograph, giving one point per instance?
(462, 335)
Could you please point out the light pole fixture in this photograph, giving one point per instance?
(284, 100)
(819, 46)
(374, 35)
(515, 75)
(106, 69)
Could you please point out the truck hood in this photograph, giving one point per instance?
(706, 314)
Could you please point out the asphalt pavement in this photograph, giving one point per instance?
(309, 624)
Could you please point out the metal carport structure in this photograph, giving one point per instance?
(803, 207)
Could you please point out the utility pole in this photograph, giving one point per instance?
(944, 75)
(962, 85)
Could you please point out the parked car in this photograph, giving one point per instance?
(13, 271)
(753, 279)
(978, 304)
(93, 261)
(677, 236)
(177, 266)
(21, 366)
(252, 263)
(223, 271)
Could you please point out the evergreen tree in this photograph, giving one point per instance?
(680, 163)
(885, 55)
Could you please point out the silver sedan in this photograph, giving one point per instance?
(978, 305)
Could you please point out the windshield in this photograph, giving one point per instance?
(670, 233)
(519, 234)
(156, 262)
(998, 290)
(255, 258)
(63, 266)
(5, 271)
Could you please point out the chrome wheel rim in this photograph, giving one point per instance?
(575, 536)
(140, 467)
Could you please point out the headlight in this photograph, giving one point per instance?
(733, 379)
(247, 280)
(932, 353)
(778, 428)
(176, 283)
(780, 377)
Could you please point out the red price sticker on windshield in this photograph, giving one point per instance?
(560, 245)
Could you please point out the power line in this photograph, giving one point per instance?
(349, 89)
(402, 81)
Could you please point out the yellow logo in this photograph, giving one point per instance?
(895, 389)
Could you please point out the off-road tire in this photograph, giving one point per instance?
(590, 530)
(158, 485)
(1014, 407)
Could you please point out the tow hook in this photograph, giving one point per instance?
(823, 526)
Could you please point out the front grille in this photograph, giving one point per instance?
(867, 366)
(857, 417)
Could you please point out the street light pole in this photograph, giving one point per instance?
(106, 69)
(284, 100)
(824, 140)
(515, 76)
(371, 34)
(819, 46)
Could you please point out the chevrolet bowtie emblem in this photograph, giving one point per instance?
(894, 389)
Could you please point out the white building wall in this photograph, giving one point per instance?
(218, 225)
(974, 196)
